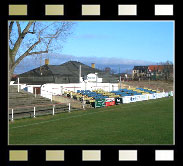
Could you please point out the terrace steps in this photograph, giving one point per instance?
(23, 104)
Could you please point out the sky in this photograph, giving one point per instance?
(111, 43)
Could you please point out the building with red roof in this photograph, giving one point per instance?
(156, 68)
(153, 72)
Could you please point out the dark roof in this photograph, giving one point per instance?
(72, 68)
(140, 68)
(65, 73)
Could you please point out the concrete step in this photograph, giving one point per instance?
(17, 105)
(28, 101)
(23, 104)
(29, 95)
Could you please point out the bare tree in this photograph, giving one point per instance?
(167, 72)
(31, 38)
(107, 70)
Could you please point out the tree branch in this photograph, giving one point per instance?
(10, 27)
(20, 38)
(10, 30)
(27, 53)
(39, 52)
(19, 28)
(33, 31)
(27, 27)
(41, 34)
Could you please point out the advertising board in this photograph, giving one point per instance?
(171, 93)
(126, 99)
(160, 95)
(154, 95)
(118, 100)
(144, 97)
(150, 96)
(99, 103)
(109, 101)
(138, 97)
(133, 99)
(166, 94)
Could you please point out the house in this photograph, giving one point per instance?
(161, 71)
(153, 72)
(65, 73)
(124, 76)
(71, 75)
(156, 68)
(140, 72)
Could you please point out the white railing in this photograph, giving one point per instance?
(34, 109)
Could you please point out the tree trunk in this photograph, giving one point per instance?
(11, 60)
(10, 74)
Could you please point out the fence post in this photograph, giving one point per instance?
(34, 112)
(53, 109)
(12, 115)
(69, 107)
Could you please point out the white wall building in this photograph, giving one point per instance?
(58, 89)
(90, 82)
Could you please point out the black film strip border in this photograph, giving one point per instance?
(73, 154)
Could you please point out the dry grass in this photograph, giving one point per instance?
(160, 85)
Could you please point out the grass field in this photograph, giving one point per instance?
(145, 122)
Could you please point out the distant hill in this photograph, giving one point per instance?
(122, 68)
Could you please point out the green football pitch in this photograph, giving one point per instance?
(145, 122)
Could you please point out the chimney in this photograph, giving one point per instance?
(93, 65)
(46, 61)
